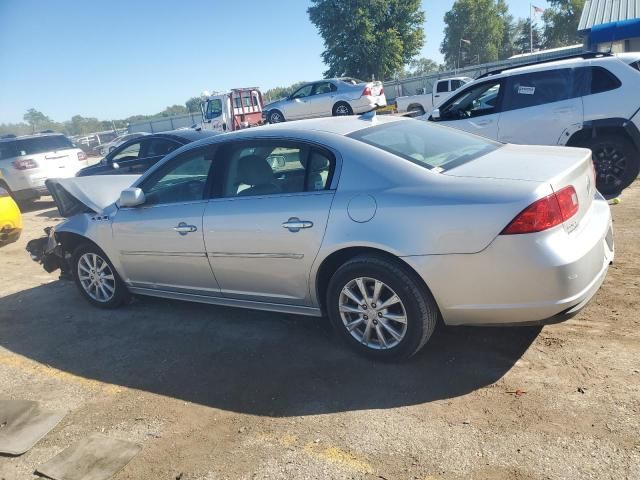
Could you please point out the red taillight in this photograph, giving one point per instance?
(545, 213)
(82, 156)
(366, 92)
(24, 164)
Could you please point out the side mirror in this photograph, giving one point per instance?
(115, 165)
(131, 197)
(435, 114)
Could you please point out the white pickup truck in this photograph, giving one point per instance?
(425, 102)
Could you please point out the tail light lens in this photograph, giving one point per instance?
(82, 156)
(366, 92)
(545, 213)
(24, 164)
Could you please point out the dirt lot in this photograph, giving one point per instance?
(214, 393)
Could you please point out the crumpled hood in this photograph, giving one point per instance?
(82, 194)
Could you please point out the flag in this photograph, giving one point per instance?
(537, 10)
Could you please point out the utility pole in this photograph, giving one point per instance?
(530, 28)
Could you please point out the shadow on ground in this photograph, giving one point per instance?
(241, 360)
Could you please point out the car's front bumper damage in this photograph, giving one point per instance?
(48, 252)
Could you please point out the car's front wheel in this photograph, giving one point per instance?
(96, 278)
(276, 116)
(380, 308)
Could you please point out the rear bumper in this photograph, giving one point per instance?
(529, 279)
(366, 104)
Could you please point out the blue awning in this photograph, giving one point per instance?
(609, 32)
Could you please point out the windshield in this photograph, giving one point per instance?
(428, 145)
(214, 108)
(30, 146)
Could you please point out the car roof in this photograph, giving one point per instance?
(187, 136)
(33, 135)
(336, 125)
(575, 60)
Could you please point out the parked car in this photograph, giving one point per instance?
(425, 102)
(10, 219)
(385, 224)
(138, 154)
(93, 144)
(27, 161)
(587, 101)
(333, 96)
(107, 148)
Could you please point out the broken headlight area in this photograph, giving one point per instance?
(48, 252)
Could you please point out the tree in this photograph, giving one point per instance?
(193, 104)
(561, 23)
(474, 29)
(368, 39)
(36, 119)
(174, 110)
(523, 37)
(421, 66)
(508, 30)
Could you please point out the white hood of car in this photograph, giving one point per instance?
(95, 193)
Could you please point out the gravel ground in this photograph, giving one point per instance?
(216, 393)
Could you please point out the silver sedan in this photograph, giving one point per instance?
(324, 98)
(385, 225)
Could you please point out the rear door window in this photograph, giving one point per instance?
(443, 86)
(160, 147)
(537, 88)
(49, 143)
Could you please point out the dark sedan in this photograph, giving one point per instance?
(138, 154)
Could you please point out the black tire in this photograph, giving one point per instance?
(120, 294)
(342, 109)
(276, 116)
(421, 310)
(416, 110)
(617, 163)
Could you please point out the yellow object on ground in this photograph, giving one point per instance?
(614, 201)
(10, 219)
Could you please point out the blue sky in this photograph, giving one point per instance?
(111, 59)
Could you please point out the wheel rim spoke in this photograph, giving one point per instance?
(381, 327)
(96, 277)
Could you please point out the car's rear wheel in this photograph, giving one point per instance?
(342, 109)
(96, 278)
(276, 116)
(380, 308)
(617, 163)
(416, 110)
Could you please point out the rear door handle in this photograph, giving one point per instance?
(563, 110)
(483, 123)
(183, 228)
(294, 224)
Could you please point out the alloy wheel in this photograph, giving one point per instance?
(96, 277)
(342, 110)
(276, 117)
(373, 313)
(611, 165)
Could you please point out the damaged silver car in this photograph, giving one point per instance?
(386, 225)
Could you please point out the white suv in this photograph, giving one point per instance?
(591, 100)
(27, 161)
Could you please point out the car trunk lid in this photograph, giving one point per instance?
(87, 194)
(557, 166)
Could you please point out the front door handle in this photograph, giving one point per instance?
(183, 228)
(294, 224)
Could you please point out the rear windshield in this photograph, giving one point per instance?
(30, 146)
(351, 81)
(430, 146)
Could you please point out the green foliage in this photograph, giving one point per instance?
(193, 104)
(523, 37)
(482, 23)
(368, 39)
(277, 93)
(561, 23)
(421, 66)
